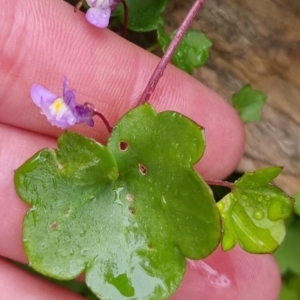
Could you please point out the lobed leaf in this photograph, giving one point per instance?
(253, 212)
(127, 214)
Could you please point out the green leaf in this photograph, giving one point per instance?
(143, 15)
(291, 288)
(127, 214)
(288, 254)
(253, 212)
(192, 52)
(297, 204)
(249, 103)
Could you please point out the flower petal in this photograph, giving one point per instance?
(41, 96)
(98, 16)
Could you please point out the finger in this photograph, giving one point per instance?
(45, 41)
(29, 287)
(232, 275)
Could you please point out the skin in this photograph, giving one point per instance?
(44, 40)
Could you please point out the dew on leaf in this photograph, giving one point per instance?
(244, 197)
(258, 214)
(163, 200)
(228, 240)
(192, 212)
(275, 210)
(221, 205)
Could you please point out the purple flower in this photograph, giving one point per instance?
(99, 12)
(62, 111)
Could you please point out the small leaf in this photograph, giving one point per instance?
(143, 15)
(288, 254)
(253, 212)
(192, 52)
(249, 103)
(127, 214)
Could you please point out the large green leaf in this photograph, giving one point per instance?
(253, 212)
(127, 214)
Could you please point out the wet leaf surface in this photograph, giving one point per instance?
(253, 212)
(123, 213)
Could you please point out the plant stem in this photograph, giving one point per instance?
(227, 184)
(157, 74)
(125, 22)
(107, 125)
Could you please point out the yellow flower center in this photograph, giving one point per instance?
(58, 108)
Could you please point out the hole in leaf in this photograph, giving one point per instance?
(53, 226)
(129, 197)
(67, 211)
(132, 210)
(143, 170)
(123, 146)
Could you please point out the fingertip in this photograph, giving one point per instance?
(232, 275)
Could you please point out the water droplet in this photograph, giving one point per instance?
(260, 198)
(258, 214)
(214, 277)
(244, 197)
(275, 210)
(267, 198)
(224, 216)
(221, 206)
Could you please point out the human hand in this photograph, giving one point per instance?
(44, 40)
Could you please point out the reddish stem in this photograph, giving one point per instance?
(125, 23)
(227, 184)
(107, 125)
(157, 74)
